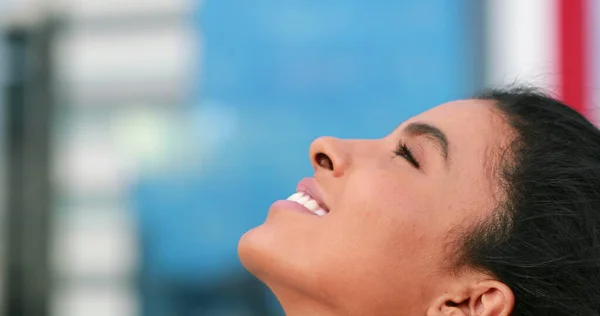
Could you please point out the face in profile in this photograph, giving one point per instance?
(373, 231)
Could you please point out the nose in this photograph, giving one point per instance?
(329, 154)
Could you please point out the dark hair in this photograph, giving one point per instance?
(543, 241)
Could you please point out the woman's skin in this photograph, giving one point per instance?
(387, 243)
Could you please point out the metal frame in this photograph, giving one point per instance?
(29, 115)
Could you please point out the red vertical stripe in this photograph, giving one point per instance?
(573, 57)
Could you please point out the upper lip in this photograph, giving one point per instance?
(310, 187)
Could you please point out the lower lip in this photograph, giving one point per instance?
(292, 206)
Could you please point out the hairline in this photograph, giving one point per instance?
(499, 161)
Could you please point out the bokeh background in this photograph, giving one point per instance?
(141, 138)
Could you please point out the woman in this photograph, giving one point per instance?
(489, 206)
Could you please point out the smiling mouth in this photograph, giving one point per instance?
(309, 203)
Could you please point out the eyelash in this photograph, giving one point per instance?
(403, 151)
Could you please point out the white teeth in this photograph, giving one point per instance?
(305, 198)
(312, 205)
(320, 212)
(294, 197)
(306, 201)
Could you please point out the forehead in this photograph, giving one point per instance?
(477, 135)
(480, 115)
(469, 124)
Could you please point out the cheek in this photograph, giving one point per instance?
(381, 239)
(384, 196)
(390, 213)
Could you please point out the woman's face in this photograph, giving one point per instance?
(386, 243)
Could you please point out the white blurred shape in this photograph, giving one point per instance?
(88, 162)
(144, 135)
(94, 301)
(95, 243)
(163, 140)
(131, 65)
(522, 42)
(116, 57)
(104, 8)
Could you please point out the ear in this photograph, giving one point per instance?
(486, 298)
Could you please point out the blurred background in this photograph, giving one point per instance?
(141, 138)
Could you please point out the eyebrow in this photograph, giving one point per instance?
(431, 132)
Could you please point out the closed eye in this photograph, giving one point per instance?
(403, 151)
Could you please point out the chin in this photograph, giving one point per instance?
(266, 253)
(251, 250)
(259, 251)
